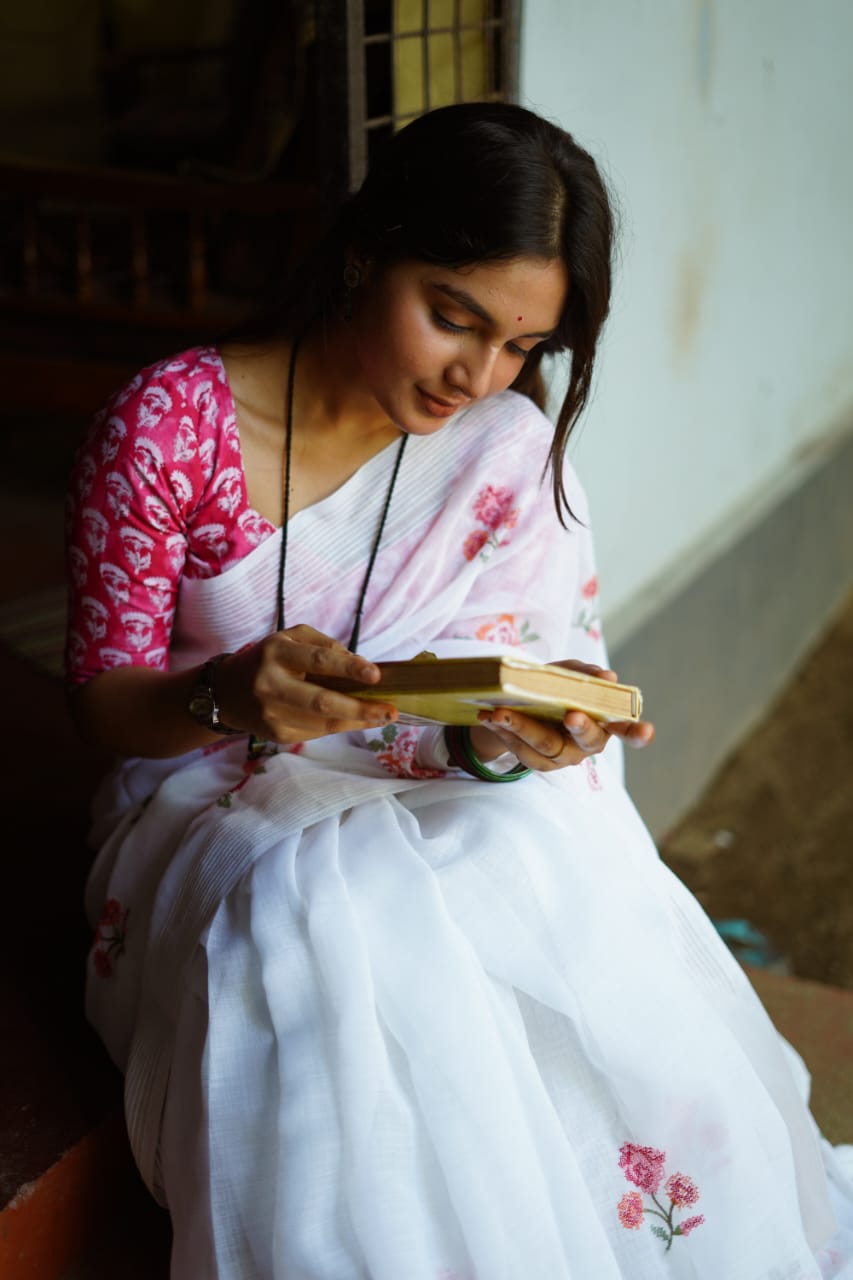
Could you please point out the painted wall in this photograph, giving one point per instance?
(725, 130)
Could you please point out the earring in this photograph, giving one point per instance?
(352, 279)
(352, 275)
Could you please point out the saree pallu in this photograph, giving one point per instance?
(381, 1024)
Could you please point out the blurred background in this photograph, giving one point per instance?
(161, 163)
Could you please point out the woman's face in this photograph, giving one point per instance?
(430, 340)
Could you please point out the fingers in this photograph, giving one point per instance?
(545, 745)
(303, 650)
(287, 706)
(634, 733)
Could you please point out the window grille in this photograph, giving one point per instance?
(406, 57)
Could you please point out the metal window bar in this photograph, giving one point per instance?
(425, 35)
(498, 29)
(490, 60)
(457, 51)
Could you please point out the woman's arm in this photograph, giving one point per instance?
(157, 456)
(265, 689)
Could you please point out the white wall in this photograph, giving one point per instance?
(726, 130)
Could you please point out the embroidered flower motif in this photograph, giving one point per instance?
(630, 1210)
(395, 749)
(644, 1166)
(592, 775)
(681, 1190)
(474, 543)
(492, 508)
(112, 912)
(109, 937)
(588, 617)
(505, 630)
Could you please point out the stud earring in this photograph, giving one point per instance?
(352, 276)
(352, 279)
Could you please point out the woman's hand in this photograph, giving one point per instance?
(544, 745)
(267, 689)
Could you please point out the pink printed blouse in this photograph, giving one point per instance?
(158, 493)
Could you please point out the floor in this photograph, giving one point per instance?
(770, 842)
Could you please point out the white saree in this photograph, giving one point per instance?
(382, 1024)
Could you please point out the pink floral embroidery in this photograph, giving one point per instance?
(630, 1210)
(475, 542)
(492, 508)
(505, 630)
(644, 1166)
(588, 617)
(109, 937)
(395, 750)
(592, 775)
(681, 1190)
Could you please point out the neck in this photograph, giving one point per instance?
(331, 400)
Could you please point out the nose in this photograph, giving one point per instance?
(474, 375)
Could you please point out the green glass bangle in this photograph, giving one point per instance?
(458, 741)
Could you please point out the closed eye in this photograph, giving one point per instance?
(444, 323)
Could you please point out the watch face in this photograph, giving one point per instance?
(202, 706)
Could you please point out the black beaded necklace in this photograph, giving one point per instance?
(352, 643)
(258, 746)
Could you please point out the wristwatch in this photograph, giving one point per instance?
(202, 705)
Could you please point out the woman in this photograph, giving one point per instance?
(378, 1016)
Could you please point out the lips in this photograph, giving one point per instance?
(437, 406)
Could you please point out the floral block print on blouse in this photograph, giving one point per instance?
(157, 492)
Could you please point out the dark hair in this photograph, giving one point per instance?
(472, 183)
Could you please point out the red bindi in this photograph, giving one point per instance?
(520, 318)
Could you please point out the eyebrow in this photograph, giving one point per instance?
(471, 304)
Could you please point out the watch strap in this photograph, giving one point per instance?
(205, 690)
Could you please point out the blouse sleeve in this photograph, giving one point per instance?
(134, 482)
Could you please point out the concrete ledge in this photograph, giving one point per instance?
(52, 1220)
(713, 657)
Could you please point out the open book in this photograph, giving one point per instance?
(429, 690)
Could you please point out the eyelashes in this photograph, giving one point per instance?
(450, 327)
(444, 323)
